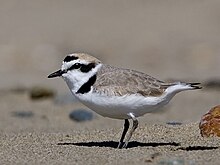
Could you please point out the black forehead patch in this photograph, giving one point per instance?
(70, 58)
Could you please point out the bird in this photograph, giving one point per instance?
(115, 92)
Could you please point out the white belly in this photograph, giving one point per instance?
(120, 106)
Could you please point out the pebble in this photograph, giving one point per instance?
(39, 92)
(177, 161)
(213, 84)
(81, 115)
(173, 123)
(23, 114)
(210, 123)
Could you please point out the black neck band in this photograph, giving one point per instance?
(86, 87)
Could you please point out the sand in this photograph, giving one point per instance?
(48, 136)
(156, 144)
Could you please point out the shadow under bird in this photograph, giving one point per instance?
(116, 92)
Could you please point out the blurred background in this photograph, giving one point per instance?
(167, 39)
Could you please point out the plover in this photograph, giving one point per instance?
(116, 92)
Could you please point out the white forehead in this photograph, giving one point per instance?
(66, 65)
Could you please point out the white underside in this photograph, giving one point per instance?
(120, 106)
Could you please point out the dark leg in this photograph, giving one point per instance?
(126, 126)
(135, 125)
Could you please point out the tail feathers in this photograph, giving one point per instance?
(194, 85)
(184, 85)
(181, 86)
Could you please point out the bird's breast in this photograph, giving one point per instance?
(119, 106)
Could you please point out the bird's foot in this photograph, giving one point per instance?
(122, 145)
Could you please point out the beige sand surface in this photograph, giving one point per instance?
(155, 144)
(50, 137)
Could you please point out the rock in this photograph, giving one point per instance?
(210, 123)
(81, 115)
(174, 123)
(39, 92)
(176, 161)
(213, 84)
(23, 114)
(172, 162)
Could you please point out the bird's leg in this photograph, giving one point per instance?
(126, 126)
(135, 125)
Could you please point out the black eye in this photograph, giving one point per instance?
(75, 66)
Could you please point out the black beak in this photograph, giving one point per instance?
(56, 74)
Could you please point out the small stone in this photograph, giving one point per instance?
(174, 123)
(213, 84)
(23, 114)
(172, 162)
(38, 92)
(81, 115)
(176, 161)
(148, 161)
(210, 123)
(155, 155)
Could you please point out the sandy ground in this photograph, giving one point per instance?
(48, 136)
(171, 40)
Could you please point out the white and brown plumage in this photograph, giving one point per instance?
(116, 92)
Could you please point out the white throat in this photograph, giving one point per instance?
(75, 78)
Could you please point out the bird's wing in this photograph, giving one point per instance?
(119, 82)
